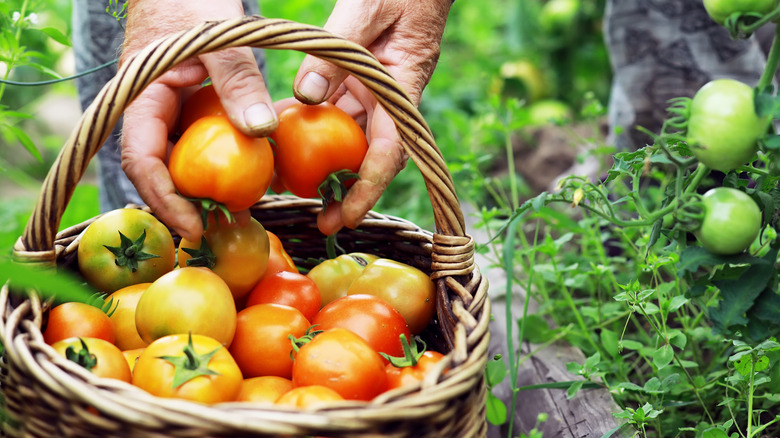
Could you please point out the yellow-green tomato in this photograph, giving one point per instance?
(731, 222)
(334, 276)
(407, 289)
(723, 127)
(187, 300)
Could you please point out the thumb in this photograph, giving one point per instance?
(360, 21)
(242, 90)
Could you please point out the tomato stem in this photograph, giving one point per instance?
(412, 353)
(190, 365)
(773, 58)
(130, 252)
(201, 257)
(83, 357)
(335, 186)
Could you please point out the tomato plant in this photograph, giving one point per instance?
(214, 162)
(723, 127)
(290, 289)
(406, 288)
(262, 345)
(264, 389)
(310, 396)
(123, 316)
(125, 247)
(76, 319)
(313, 142)
(731, 222)
(192, 367)
(237, 253)
(720, 10)
(334, 276)
(99, 356)
(187, 300)
(341, 361)
(368, 316)
(203, 102)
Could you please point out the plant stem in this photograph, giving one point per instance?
(772, 60)
(750, 397)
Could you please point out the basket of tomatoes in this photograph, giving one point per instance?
(259, 328)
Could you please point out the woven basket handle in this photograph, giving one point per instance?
(102, 115)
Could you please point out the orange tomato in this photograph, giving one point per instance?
(264, 389)
(99, 356)
(125, 301)
(132, 356)
(262, 344)
(75, 319)
(214, 376)
(201, 103)
(213, 160)
(278, 258)
(308, 397)
(290, 289)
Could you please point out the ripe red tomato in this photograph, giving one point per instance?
(406, 288)
(213, 160)
(308, 397)
(334, 276)
(262, 346)
(70, 320)
(125, 247)
(99, 356)
(369, 317)
(264, 389)
(187, 300)
(211, 375)
(290, 289)
(343, 362)
(238, 254)
(124, 302)
(201, 103)
(313, 141)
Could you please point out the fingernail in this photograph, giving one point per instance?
(313, 87)
(259, 116)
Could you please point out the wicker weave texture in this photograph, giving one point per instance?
(48, 396)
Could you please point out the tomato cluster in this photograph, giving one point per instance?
(235, 320)
(317, 151)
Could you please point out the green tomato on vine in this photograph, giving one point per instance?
(723, 128)
(720, 10)
(731, 221)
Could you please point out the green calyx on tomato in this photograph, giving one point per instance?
(299, 342)
(723, 127)
(130, 252)
(335, 186)
(190, 364)
(83, 356)
(732, 220)
(412, 353)
(202, 256)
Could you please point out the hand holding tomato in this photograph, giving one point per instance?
(405, 37)
(150, 119)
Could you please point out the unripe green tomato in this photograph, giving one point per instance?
(731, 222)
(720, 10)
(548, 111)
(723, 127)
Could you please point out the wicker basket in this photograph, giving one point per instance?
(47, 396)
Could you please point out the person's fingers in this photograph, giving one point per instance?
(242, 90)
(384, 159)
(329, 221)
(144, 152)
(360, 21)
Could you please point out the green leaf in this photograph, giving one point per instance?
(574, 388)
(536, 330)
(739, 294)
(677, 302)
(56, 35)
(631, 345)
(653, 386)
(663, 356)
(609, 340)
(495, 371)
(496, 410)
(47, 282)
(25, 140)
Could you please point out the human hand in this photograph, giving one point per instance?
(405, 36)
(150, 119)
